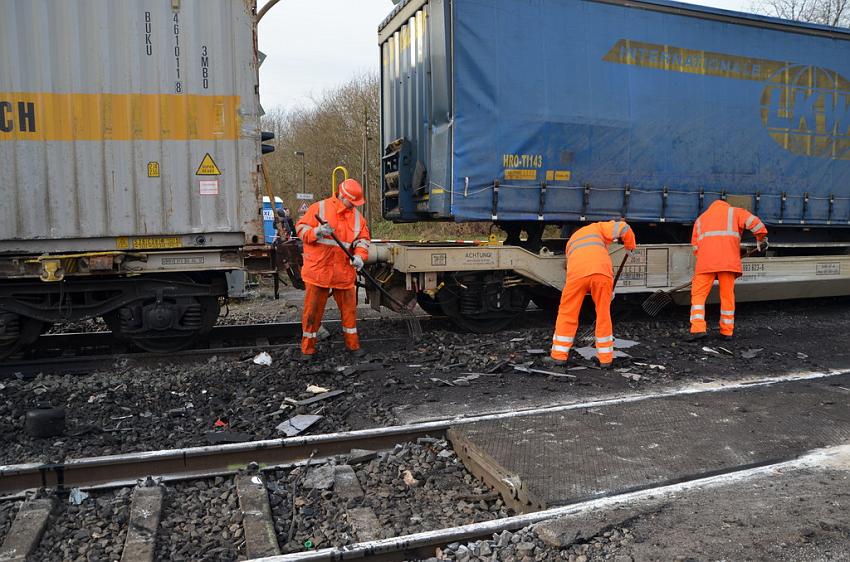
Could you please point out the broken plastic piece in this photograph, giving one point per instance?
(296, 424)
(263, 358)
(316, 389)
(77, 496)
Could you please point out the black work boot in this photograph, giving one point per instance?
(308, 358)
(552, 362)
(358, 353)
(696, 336)
(603, 366)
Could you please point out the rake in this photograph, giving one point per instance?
(414, 328)
(659, 300)
(587, 334)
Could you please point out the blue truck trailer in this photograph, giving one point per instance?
(527, 113)
(566, 111)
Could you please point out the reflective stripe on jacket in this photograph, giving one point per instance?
(587, 248)
(325, 264)
(717, 237)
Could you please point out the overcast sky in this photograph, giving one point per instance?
(314, 45)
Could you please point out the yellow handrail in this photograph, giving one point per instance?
(333, 178)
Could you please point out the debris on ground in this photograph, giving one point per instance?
(263, 359)
(529, 370)
(316, 389)
(751, 353)
(589, 352)
(297, 424)
(77, 496)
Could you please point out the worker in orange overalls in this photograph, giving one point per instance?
(589, 271)
(327, 268)
(717, 244)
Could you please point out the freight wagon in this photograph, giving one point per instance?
(129, 164)
(527, 113)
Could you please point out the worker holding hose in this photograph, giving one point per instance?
(589, 270)
(327, 268)
(716, 240)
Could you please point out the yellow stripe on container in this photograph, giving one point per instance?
(119, 117)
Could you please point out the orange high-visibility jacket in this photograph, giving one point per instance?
(587, 248)
(325, 264)
(717, 237)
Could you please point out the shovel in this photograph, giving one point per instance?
(660, 299)
(414, 328)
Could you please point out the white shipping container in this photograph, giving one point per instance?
(128, 124)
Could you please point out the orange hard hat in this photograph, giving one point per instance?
(353, 191)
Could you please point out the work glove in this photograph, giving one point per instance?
(357, 263)
(762, 244)
(323, 231)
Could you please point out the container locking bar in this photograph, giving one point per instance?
(831, 205)
(664, 195)
(782, 207)
(542, 203)
(627, 193)
(585, 202)
(805, 207)
(495, 212)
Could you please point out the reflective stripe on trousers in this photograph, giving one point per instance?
(315, 299)
(701, 287)
(600, 288)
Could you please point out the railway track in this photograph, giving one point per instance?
(83, 352)
(246, 477)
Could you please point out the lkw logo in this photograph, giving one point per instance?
(805, 109)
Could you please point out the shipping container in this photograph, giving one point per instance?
(561, 111)
(128, 124)
(129, 165)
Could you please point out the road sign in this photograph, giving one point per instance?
(302, 209)
(304, 196)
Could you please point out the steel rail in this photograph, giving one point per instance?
(195, 461)
(56, 352)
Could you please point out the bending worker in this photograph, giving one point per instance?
(589, 271)
(717, 244)
(327, 268)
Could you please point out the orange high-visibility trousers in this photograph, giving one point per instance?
(315, 300)
(601, 289)
(700, 289)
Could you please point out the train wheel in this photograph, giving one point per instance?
(164, 323)
(547, 300)
(17, 332)
(429, 304)
(483, 306)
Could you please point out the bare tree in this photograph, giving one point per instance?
(330, 134)
(827, 12)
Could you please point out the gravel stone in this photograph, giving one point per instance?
(93, 530)
(197, 522)
(400, 509)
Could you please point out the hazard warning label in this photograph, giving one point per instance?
(302, 209)
(208, 167)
